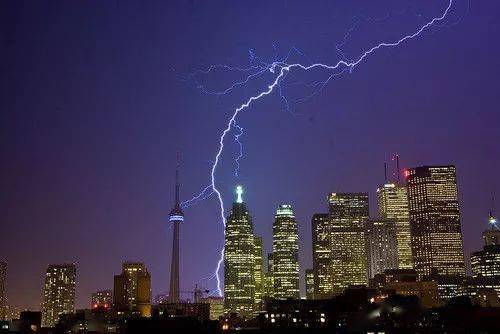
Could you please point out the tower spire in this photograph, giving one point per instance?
(177, 186)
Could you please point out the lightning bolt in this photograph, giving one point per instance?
(280, 70)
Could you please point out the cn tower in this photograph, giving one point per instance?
(176, 217)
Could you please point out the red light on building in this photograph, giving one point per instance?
(406, 173)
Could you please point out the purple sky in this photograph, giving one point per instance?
(93, 109)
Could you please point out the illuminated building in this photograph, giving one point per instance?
(435, 220)
(285, 254)
(381, 246)
(270, 262)
(3, 277)
(404, 282)
(492, 235)
(309, 279)
(216, 306)
(58, 293)
(239, 281)
(347, 264)
(486, 262)
(269, 278)
(132, 290)
(320, 224)
(258, 271)
(176, 218)
(393, 204)
(102, 299)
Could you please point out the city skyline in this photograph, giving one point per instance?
(92, 124)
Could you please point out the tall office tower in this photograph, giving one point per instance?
(323, 287)
(435, 221)
(486, 263)
(132, 290)
(176, 218)
(270, 262)
(102, 299)
(3, 277)
(258, 257)
(348, 215)
(309, 279)
(393, 204)
(269, 278)
(492, 235)
(285, 254)
(381, 246)
(58, 293)
(239, 282)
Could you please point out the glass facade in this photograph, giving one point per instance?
(258, 271)
(239, 263)
(381, 246)
(285, 254)
(393, 204)
(435, 221)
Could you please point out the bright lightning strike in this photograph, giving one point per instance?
(280, 69)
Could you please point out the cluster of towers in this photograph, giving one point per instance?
(245, 281)
(417, 228)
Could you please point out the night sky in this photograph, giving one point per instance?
(94, 106)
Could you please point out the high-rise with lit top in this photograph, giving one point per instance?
(58, 293)
(176, 218)
(393, 205)
(437, 246)
(239, 263)
(486, 262)
(285, 254)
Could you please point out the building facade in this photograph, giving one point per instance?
(258, 256)
(486, 262)
(309, 281)
(320, 224)
(381, 246)
(239, 263)
(58, 293)
(132, 290)
(393, 204)
(102, 299)
(435, 221)
(285, 254)
(348, 214)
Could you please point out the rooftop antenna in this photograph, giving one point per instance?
(385, 172)
(398, 171)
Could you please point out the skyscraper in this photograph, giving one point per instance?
(58, 293)
(176, 217)
(285, 254)
(320, 224)
(132, 290)
(486, 262)
(258, 271)
(393, 204)
(348, 215)
(309, 280)
(3, 277)
(435, 220)
(239, 263)
(269, 278)
(381, 246)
